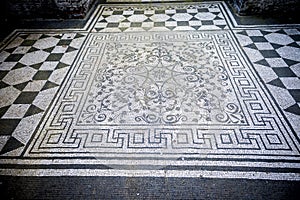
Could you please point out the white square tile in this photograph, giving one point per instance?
(68, 36)
(3, 140)
(34, 36)
(171, 23)
(127, 12)
(264, 46)
(49, 65)
(60, 49)
(7, 65)
(254, 33)
(149, 12)
(35, 85)
(148, 24)
(21, 50)
(296, 69)
(3, 55)
(282, 96)
(292, 31)
(195, 23)
(8, 96)
(170, 11)
(107, 12)
(276, 62)
(291, 82)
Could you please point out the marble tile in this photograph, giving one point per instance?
(291, 82)
(26, 128)
(8, 95)
(20, 75)
(291, 53)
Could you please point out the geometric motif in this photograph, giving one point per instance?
(161, 17)
(114, 103)
(32, 67)
(275, 55)
(278, 50)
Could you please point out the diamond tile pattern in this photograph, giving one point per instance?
(277, 50)
(161, 18)
(29, 66)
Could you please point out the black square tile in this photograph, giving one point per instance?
(49, 50)
(295, 37)
(10, 50)
(49, 85)
(159, 24)
(118, 12)
(269, 54)
(54, 57)
(7, 126)
(295, 109)
(112, 25)
(36, 66)
(181, 11)
(138, 12)
(295, 94)
(159, 11)
(3, 110)
(284, 72)
(207, 22)
(61, 65)
(64, 42)
(21, 86)
(42, 75)
(28, 42)
(13, 58)
(3, 74)
(258, 39)
(11, 145)
(203, 10)
(26, 98)
(19, 65)
(3, 85)
(33, 110)
(135, 24)
(182, 23)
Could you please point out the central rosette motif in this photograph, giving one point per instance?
(161, 83)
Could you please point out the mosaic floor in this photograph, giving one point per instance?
(152, 90)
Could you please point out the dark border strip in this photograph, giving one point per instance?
(157, 167)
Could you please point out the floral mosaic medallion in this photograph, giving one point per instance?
(161, 83)
(162, 96)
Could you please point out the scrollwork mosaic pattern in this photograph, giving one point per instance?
(161, 82)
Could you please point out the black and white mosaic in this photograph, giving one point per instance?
(161, 17)
(178, 97)
(33, 65)
(152, 90)
(275, 55)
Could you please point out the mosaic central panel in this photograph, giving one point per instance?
(161, 83)
(162, 95)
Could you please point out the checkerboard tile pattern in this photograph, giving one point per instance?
(276, 57)
(32, 67)
(161, 18)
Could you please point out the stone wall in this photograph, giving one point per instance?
(47, 8)
(78, 8)
(266, 7)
